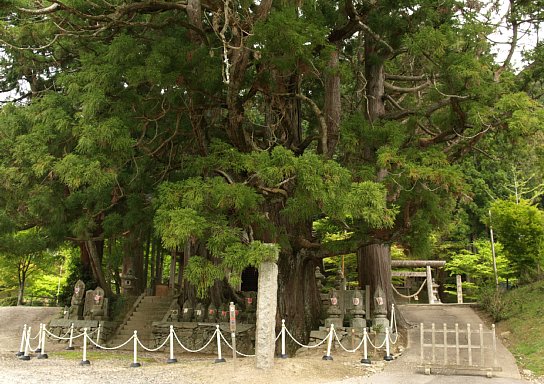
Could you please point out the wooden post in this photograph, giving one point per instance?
(459, 289)
(430, 285)
(469, 345)
(456, 343)
(494, 345)
(445, 344)
(367, 301)
(421, 342)
(481, 345)
(433, 342)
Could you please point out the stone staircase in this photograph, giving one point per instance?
(148, 310)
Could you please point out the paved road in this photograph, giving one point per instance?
(404, 370)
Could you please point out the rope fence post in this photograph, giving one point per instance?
(135, 363)
(98, 333)
(22, 347)
(329, 345)
(39, 349)
(84, 360)
(388, 356)
(171, 359)
(42, 354)
(481, 329)
(70, 346)
(283, 355)
(26, 356)
(365, 359)
(220, 358)
(469, 340)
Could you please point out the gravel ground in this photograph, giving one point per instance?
(114, 367)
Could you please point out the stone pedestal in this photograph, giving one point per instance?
(267, 303)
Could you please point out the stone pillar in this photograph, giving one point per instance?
(267, 302)
(459, 289)
(430, 285)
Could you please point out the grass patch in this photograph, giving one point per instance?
(525, 324)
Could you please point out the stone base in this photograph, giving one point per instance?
(327, 357)
(358, 323)
(221, 360)
(337, 321)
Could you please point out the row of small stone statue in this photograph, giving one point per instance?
(201, 313)
(89, 305)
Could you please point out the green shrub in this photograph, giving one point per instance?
(495, 303)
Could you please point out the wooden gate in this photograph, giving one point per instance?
(458, 349)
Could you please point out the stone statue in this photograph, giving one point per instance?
(334, 313)
(212, 313)
(96, 305)
(251, 307)
(357, 311)
(187, 311)
(200, 313)
(75, 311)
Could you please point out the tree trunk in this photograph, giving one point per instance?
(94, 253)
(375, 270)
(21, 293)
(299, 302)
(333, 105)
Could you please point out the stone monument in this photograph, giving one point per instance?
(267, 303)
(187, 311)
(75, 311)
(96, 305)
(379, 317)
(334, 313)
(358, 320)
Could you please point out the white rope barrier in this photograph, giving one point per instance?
(26, 356)
(42, 354)
(84, 360)
(28, 338)
(307, 346)
(135, 363)
(220, 358)
(409, 296)
(53, 336)
(283, 354)
(329, 345)
(22, 347)
(230, 346)
(194, 350)
(154, 349)
(344, 348)
(110, 348)
(171, 359)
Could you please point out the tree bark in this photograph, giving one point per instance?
(333, 106)
(94, 254)
(299, 302)
(375, 270)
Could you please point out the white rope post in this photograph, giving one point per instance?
(135, 363)
(22, 347)
(39, 349)
(42, 354)
(70, 346)
(283, 355)
(84, 360)
(220, 358)
(365, 359)
(26, 356)
(98, 332)
(328, 355)
(388, 356)
(171, 359)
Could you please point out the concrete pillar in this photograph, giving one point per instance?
(267, 302)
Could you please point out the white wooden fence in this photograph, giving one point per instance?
(458, 349)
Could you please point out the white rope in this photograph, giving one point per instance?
(28, 344)
(110, 348)
(35, 337)
(195, 350)
(230, 346)
(394, 328)
(62, 338)
(308, 346)
(277, 337)
(347, 350)
(410, 296)
(372, 344)
(153, 349)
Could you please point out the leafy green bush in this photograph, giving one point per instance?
(495, 303)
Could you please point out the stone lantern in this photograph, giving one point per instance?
(128, 283)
